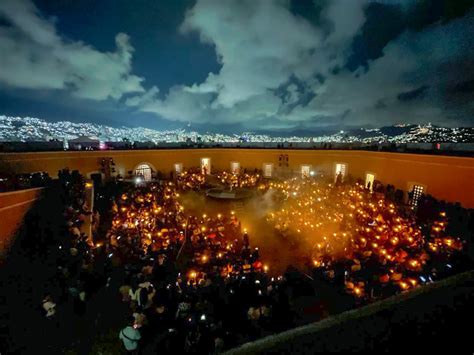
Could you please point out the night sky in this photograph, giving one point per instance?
(269, 65)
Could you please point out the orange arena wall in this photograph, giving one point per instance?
(13, 207)
(445, 177)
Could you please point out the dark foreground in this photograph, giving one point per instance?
(432, 318)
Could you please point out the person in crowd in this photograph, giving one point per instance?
(130, 337)
(49, 306)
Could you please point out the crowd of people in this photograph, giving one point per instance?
(365, 238)
(195, 283)
(76, 275)
(191, 179)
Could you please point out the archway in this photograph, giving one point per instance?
(305, 171)
(144, 170)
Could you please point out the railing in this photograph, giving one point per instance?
(459, 149)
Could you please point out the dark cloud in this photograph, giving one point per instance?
(276, 64)
(463, 87)
(294, 93)
(383, 24)
(385, 21)
(424, 13)
(363, 63)
(412, 94)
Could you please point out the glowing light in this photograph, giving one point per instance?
(346, 223)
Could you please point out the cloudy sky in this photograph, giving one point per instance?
(225, 65)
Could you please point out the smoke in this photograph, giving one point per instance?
(276, 251)
(313, 220)
(261, 206)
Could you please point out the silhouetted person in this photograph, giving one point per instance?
(246, 240)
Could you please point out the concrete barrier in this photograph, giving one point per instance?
(432, 317)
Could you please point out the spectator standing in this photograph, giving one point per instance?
(130, 337)
(49, 306)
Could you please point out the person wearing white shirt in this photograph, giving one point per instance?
(49, 306)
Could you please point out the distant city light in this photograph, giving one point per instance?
(31, 129)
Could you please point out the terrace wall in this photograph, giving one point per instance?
(13, 207)
(445, 177)
(429, 319)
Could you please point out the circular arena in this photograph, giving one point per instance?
(202, 259)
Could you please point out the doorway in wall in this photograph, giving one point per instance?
(305, 171)
(144, 170)
(267, 170)
(369, 181)
(178, 168)
(206, 166)
(235, 167)
(341, 169)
